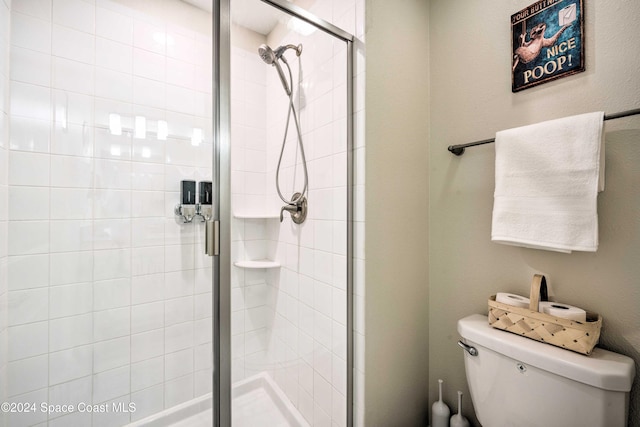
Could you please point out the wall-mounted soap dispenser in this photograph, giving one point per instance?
(186, 209)
(205, 200)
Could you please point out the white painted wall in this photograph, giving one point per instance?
(470, 100)
(397, 213)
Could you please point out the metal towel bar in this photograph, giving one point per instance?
(458, 150)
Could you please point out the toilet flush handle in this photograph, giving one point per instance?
(471, 350)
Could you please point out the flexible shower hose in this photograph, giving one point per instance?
(292, 109)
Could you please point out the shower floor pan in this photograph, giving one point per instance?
(256, 401)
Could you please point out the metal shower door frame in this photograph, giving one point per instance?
(222, 199)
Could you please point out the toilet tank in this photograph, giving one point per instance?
(518, 382)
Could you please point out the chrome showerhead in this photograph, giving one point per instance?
(270, 57)
(267, 54)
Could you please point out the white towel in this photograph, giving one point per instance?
(547, 180)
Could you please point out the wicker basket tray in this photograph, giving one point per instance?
(580, 337)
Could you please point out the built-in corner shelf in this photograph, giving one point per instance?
(255, 216)
(263, 263)
(259, 263)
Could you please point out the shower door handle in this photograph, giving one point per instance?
(212, 237)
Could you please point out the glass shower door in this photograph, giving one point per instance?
(105, 295)
(289, 287)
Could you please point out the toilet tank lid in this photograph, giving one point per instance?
(603, 369)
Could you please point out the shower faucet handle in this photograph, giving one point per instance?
(292, 209)
(297, 209)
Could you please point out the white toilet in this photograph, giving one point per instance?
(518, 382)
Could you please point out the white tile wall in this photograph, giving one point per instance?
(312, 337)
(28, 340)
(30, 66)
(25, 375)
(70, 364)
(304, 320)
(69, 332)
(32, 346)
(29, 31)
(103, 296)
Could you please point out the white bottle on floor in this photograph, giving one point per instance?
(439, 410)
(458, 420)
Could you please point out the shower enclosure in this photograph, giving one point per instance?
(133, 135)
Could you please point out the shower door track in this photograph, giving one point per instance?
(222, 199)
(310, 18)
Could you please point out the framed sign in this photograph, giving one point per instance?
(547, 42)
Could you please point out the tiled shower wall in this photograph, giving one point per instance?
(4, 195)
(291, 321)
(309, 333)
(109, 297)
(308, 340)
(251, 311)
